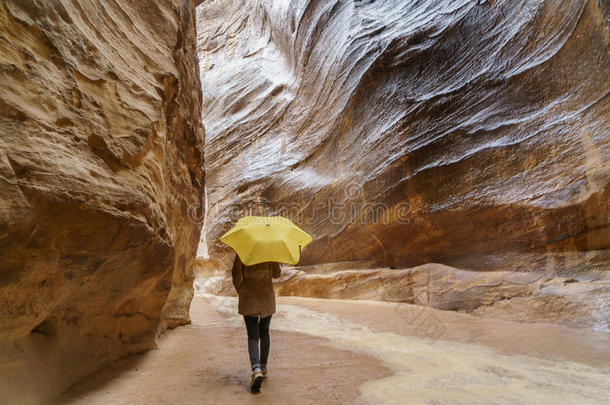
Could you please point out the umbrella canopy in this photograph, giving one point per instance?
(266, 239)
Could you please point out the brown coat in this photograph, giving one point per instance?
(254, 287)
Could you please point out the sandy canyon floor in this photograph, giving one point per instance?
(334, 351)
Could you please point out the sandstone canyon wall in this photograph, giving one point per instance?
(100, 163)
(469, 133)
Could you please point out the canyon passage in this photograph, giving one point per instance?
(449, 159)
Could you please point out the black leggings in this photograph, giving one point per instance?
(258, 330)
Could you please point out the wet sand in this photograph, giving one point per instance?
(334, 351)
(207, 362)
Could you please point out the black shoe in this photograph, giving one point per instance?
(257, 380)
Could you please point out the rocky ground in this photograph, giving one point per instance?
(337, 351)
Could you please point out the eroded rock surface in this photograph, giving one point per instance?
(470, 133)
(100, 164)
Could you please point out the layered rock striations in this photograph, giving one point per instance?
(100, 164)
(469, 133)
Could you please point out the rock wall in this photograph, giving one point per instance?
(531, 297)
(100, 165)
(468, 133)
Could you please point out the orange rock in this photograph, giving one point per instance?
(472, 134)
(100, 165)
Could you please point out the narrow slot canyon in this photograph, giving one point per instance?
(449, 159)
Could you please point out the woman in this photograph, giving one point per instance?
(257, 304)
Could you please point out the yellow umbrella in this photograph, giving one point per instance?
(266, 239)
